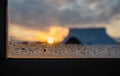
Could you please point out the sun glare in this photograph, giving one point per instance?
(50, 40)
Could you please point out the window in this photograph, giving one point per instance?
(37, 28)
(34, 67)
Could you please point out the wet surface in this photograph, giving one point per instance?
(36, 50)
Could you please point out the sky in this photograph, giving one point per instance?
(39, 19)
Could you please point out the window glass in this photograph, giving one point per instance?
(63, 28)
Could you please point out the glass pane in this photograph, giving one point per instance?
(63, 29)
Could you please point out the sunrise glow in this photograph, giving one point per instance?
(50, 40)
(54, 34)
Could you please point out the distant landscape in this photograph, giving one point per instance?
(117, 40)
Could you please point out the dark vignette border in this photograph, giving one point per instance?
(3, 30)
(32, 67)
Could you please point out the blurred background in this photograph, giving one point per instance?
(50, 20)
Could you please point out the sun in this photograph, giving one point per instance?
(50, 40)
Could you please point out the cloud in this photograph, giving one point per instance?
(30, 13)
(24, 34)
(41, 13)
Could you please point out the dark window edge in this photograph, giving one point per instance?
(3, 30)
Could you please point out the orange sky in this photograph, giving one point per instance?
(55, 32)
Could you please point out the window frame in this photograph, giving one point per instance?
(81, 64)
(3, 30)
